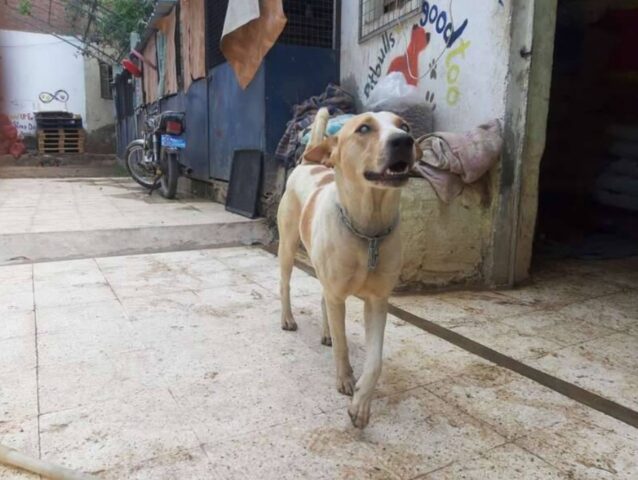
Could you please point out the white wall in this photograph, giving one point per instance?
(468, 85)
(99, 111)
(32, 63)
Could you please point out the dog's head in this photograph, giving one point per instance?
(375, 148)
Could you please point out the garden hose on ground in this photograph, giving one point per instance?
(17, 459)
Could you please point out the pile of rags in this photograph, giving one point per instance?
(451, 160)
(334, 98)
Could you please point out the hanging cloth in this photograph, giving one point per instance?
(251, 28)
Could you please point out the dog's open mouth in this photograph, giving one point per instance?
(395, 173)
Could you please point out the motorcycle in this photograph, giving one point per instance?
(154, 160)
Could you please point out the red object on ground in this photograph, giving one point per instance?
(9, 132)
(17, 149)
(9, 141)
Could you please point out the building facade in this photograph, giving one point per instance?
(470, 61)
(43, 69)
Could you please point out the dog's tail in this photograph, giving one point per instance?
(318, 131)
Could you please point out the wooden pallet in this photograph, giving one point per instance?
(61, 140)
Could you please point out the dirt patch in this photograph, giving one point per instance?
(362, 459)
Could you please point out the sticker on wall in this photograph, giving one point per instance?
(59, 95)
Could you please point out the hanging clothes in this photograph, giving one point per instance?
(338, 102)
(251, 28)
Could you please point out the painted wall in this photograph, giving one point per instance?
(99, 111)
(457, 53)
(41, 72)
(457, 56)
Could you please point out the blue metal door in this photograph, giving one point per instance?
(236, 118)
(196, 129)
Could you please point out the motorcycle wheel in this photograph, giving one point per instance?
(170, 170)
(133, 159)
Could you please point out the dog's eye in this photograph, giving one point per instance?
(363, 129)
(406, 127)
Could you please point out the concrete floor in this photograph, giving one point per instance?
(173, 366)
(576, 320)
(80, 204)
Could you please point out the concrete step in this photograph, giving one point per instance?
(33, 165)
(64, 171)
(44, 219)
(19, 248)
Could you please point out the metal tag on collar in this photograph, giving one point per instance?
(373, 253)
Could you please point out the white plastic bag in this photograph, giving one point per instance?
(393, 93)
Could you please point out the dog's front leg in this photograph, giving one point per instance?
(376, 312)
(326, 339)
(336, 309)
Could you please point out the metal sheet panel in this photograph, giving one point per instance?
(237, 118)
(196, 130)
(126, 133)
(293, 74)
(174, 102)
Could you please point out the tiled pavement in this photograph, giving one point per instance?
(76, 204)
(577, 321)
(173, 365)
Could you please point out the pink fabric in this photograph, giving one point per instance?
(451, 160)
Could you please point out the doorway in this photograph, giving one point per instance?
(588, 190)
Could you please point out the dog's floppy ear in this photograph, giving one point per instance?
(322, 153)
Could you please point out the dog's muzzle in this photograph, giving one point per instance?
(400, 158)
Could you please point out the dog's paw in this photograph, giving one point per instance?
(327, 341)
(288, 323)
(345, 384)
(360, 414)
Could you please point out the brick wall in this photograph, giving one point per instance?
(47, 16)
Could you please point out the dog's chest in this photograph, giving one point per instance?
(345, 268)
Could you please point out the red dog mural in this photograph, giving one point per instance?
(408, 63)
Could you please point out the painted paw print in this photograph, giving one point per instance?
(429, 100)
(432, 68)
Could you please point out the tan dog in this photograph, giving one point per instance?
(347, 218)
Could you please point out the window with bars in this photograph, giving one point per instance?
(376, 16)
(310, 23)
(106, 80)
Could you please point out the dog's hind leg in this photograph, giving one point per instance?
(326, 339)
(376, 312)
(288, 223)
(336, 309)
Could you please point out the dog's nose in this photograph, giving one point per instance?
(401, 142)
